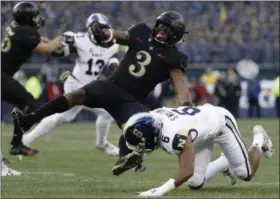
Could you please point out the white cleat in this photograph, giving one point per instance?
(109, 148)
(267, 147)
(6, 171)
(230, 176)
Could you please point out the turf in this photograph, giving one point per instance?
(69, 166)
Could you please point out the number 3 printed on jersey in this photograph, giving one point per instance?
(143, 60)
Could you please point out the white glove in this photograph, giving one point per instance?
(150, 193)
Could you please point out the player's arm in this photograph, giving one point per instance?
(121, 37)
(185, 172)
(113, 64)
(45, 39)
(49, 47)
(181, 88)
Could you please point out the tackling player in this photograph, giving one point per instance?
(190, 133)
(21, 40)
(152, 57)
(90, 62)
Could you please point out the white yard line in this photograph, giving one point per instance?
(50, 173)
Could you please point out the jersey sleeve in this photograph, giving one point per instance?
(178, 61)
(27, 36)
(139, 31)
(179, 141)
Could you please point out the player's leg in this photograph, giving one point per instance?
(14, 93)
(220, 165)
(6, 171)
(202, 158)
(92, 95)
(243, 163)
(49, 123)
(127, 159)
(103, 124)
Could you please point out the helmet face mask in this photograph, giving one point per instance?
(142, 135)
(174, 24)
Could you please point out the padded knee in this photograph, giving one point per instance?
(242, 173)
(196, 182)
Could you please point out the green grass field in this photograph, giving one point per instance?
(69, 166)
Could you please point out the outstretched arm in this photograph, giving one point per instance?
(185, 172)
(121, 37)
(181, 88)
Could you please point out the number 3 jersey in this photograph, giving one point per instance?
(145, 65)
(201, 123)
(91, 59)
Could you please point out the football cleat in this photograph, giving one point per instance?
(23, 150)
(126, 163)
(267, 147)
(6, 171)
(20, 121)
(230, 176)
(109, 148)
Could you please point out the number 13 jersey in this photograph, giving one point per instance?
(145, 65)
(91, 59)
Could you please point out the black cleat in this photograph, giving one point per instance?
(23, 150)
(20, 121)
(126, 163)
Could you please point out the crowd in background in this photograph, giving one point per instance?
(218, 31)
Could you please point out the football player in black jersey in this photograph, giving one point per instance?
(151, 58)
(22, 38)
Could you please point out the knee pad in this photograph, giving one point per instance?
(196, 182)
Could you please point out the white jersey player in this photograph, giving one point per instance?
(90, 61)
(190, 133)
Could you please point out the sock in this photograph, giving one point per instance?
(216, 166)
(45, 126)
(17, 136)
(103, 124)
(124, 150)
(258, 141)
(58, 105)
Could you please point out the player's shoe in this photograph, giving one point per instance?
(6, 171)
(23, 150)
(126, 163)
(230, 176)
(109, 148)
(267, 147)
(20, 121)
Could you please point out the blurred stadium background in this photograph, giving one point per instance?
(222, 35)
(233, 50)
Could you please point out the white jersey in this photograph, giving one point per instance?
(91, 59)
(202, 123)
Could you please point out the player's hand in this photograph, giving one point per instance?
(150, 193)
(68, 37)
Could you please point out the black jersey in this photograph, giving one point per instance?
(17, 47)
(145, 65)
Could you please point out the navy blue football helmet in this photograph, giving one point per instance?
(142, 132)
